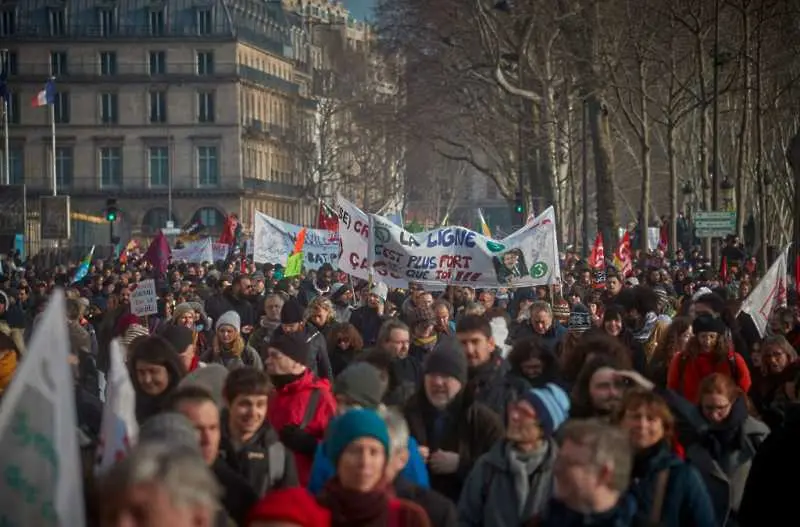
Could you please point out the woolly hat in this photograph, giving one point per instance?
(294, 505)
(293, 345)
(551, 404)
(580, 319)
(352, 425)
(708, 324)
(180, 337)
(230, 318)
(380, 290)
(448, 359)
(133, 332)
(362, 383)
(210, 377)
(700, 292)
(181, 309)
(291, 312)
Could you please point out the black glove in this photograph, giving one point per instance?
(298, 440)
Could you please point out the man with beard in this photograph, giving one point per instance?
(487, 367)
(312, 288)
(235, 298)
(599, 389)
(368, 318)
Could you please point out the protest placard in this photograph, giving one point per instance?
(144, 300)
(39, 458)
(274, 241)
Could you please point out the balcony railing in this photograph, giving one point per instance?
(273, 187)
(77, 71)
(73, 31)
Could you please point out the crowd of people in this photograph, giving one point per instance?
(606, 400)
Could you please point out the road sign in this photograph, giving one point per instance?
(715, 224)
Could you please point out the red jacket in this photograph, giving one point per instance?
(686, 373)
(287, 406)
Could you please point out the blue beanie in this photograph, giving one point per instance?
(551, 404)
(353, 425)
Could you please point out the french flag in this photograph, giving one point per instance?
(47, 96)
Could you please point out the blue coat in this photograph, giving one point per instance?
(322, 469)
(686, 501)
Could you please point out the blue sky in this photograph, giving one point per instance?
(361, 9)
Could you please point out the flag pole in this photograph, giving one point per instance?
(6, 140)
(53, 144)
(319, 208)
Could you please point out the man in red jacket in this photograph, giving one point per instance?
(302, 404)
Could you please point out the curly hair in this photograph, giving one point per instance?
(345, 331)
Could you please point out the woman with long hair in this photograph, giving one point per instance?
(675, 340)
(667, 490)
(228, 348)
(344, 345)
(772, 389)
(708, 351)
(727, 444)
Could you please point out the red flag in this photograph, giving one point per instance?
(158, 254)
(228, 235)
(300, 241)
(623, 259)
(597, 260)
(723, 270)
(663, 238)
(327, 218)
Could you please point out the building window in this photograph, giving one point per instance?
(205, 62)
(61, 108)
(158, 107)
(108, 22)
(8, 22)
(157, 24)
(64, 166)
(205, 107)
(204, 24)
(16, 165)
(159, 166)
(209, 217)
(207, 166)
(158, 62)
(108, 63)
(111, 166)
(109, 108)
(13, 107)
(10, 65)
(58, 63)
(58, 27)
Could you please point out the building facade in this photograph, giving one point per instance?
(188, 106)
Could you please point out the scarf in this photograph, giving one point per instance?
(426, 343)
(351, 508)
(8, 365)
(523, 465)
(647, 328)
(726, 437)
(285, 380)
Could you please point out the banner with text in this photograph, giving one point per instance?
(447, 255)
(198, 251)
(274, 241)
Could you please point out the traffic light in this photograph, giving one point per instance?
(111, 210)
(519, 210)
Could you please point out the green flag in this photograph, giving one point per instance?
(294, 265)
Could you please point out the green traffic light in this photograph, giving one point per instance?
(518, 209)
(111, 216)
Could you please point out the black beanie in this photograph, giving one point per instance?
(293, 345)
(291, 312)
(448, 358)
(708, 324)
(180, 337)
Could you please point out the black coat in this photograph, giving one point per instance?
(237, 496)
(470, 430)
(440, 510)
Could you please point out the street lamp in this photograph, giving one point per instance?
(726, 189)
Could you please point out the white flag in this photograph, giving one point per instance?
(41, 481)
(119, 429)
(768, 294)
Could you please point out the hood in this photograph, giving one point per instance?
(307, 382)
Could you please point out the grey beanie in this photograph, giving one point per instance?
(230, 318)
(362, 383)
(170, 428)
(210, 377)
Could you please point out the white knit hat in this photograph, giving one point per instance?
(230, 318)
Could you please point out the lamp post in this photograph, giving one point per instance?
(688, 196)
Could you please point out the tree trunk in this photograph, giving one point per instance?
(644, 144)
(607, 220)
(673, 187)
(742, 154)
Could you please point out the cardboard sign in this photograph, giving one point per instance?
(144, 298)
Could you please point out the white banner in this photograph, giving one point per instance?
(144, 300)
(274, 242)
(41, 481)
(448, 255)
(768, 294)
(198, 251)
